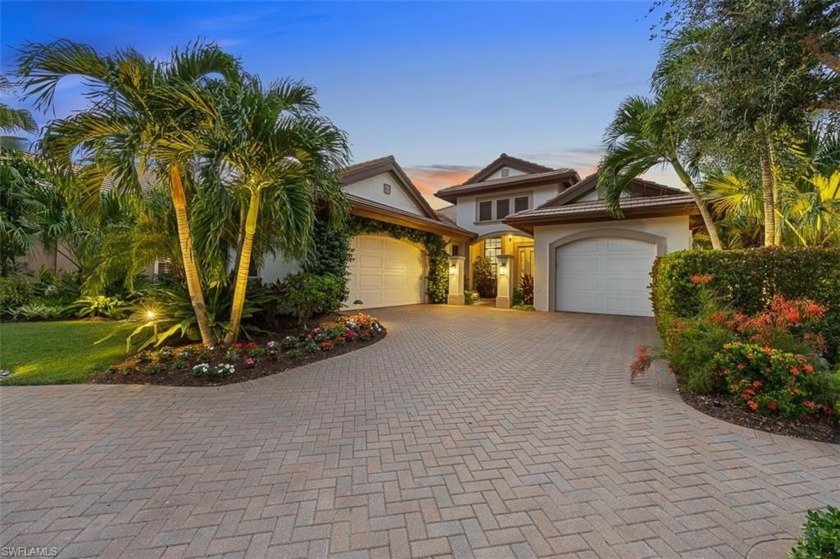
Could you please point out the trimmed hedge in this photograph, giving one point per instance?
(746, 280)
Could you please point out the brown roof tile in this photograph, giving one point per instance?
(505, 160)
(451, 193)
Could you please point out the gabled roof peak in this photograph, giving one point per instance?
(505, 160)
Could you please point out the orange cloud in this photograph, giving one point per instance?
(429, 180)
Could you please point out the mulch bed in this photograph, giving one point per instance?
(150, 368)
(728, 408)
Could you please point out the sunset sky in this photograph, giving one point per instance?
(444, 87)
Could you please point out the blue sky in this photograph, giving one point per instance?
(444, 87)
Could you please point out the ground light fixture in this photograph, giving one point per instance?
(150, 317)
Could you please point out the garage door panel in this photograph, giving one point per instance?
(370, 262)
(604, 275)
(385, 272)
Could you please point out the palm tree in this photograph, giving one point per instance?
(144, 115)
(807, 208)
(645, 134)
(283, 158)
(13, 121)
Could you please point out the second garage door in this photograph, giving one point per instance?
(604, 275)
(385, 272)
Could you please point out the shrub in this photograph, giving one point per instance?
(484, 278)
(516, 299)
(174, 315)
(526, 286)
(38, 310)
(471, 297)
(820, 536)
(15, 291)
(100, 306)
(308, 294)
(747, 280)
(768, 380)
(329, 254)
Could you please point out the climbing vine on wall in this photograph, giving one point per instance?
(437, 286)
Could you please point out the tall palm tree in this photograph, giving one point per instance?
(13, 121)
(282, 156)
(645, 134)
(144, 114)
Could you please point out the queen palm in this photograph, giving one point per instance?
(645, 134)
(283, 158)
(144, 115)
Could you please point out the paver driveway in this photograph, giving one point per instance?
(466, 432)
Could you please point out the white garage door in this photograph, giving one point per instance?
(385, 272)
(604, 275)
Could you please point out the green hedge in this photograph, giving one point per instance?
(747, 279)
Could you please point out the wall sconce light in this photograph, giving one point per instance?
(503, 271)
(453, 269)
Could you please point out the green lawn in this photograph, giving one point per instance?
(58, 352)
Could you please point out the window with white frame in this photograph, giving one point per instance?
(492, 250)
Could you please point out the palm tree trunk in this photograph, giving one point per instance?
(768, 190)
(179, 200)
(243, 267)
(708, 220)
(240, 238)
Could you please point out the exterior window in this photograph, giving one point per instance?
(386, 188)
(492, 250)
(505, 172)
(454, 250)
(520, 204)
(485, 211)
(164, 268)
(502, 208)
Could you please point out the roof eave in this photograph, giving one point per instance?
(524, 181)
(528, 223)
(364, 208)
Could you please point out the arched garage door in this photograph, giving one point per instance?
(604, 275)
(385, 272)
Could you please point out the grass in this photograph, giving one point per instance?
(58, 352)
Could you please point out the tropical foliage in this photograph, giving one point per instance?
(144, 116)
(746, 99)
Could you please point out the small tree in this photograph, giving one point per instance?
(484, 277)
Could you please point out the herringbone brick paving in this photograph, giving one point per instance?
(467, 432)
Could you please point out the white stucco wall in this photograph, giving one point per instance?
(277, 268)
(511, 173)
(675, 230)
(467, 209)
(372, 189)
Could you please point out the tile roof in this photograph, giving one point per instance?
(505, 160)
(597, 208)
(589, 184)
(451, 193)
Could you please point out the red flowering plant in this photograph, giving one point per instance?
(768, 380)
(791, 325)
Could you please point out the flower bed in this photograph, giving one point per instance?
(194, 365)
(768, 370)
